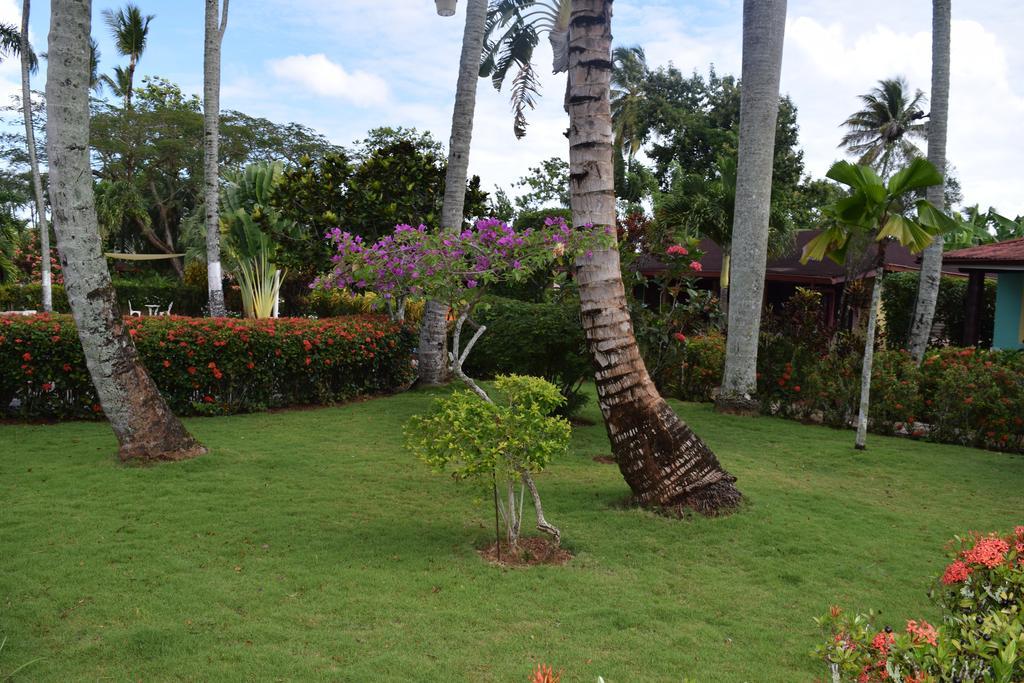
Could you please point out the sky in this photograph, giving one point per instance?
(345, 66)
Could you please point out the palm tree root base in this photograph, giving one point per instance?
(732, 404)
(147, 455)
(715, 500)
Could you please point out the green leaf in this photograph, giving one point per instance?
(936, 221)
(919, 173)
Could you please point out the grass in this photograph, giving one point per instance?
(309, 546)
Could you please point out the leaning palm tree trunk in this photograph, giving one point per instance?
(764, 25)
(869, 351)
(662, 460)
(144, 425)
(211, 167)
(931, 259)
(432, 361)
(30, 140)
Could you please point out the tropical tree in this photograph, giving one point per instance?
(880, 211)
(28, 65)
(432, 353)
(931, 259)
(511, 34)
(140, 418)
(764, 26)
(882, 133)
(664, 462)
(214, 37)
(629, 74)
(130, 28)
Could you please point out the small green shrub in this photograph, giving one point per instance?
(207, 366)
(494, 443)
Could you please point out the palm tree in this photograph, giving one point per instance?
(214, 34)
(512, 32)
(879, 211)
(938, 121)
(130, 29)
(764, 26)
(27, 66)
(145, 427)
(434, 327)
(664, 462)
(629, 73)
(882, 133)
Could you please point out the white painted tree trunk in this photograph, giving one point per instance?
(145, 427)
(214, 37)
(869, 353)
(764, 25)
(37, 182)
(938, 122)
(432, 353)
(660, 457)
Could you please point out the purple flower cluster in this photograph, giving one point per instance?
(415, 261)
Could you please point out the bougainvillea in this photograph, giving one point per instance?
(207, 366)
(981, 637)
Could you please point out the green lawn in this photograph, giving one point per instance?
(309, 546)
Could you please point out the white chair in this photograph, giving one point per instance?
(132, 312)
(168, 311)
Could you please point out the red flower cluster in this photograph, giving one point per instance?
(922, 632)
(989, 551)
(677, 250)
(957, 572)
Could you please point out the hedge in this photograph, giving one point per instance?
(541, 339)
(188, 300)
(972, 397)
(207, 366)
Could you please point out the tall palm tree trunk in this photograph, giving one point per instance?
(37, 182)
(432, 354)
(211, 161)
(662, 460)
(869, 351)
(145, 427)
(938, 121)
(764, 26)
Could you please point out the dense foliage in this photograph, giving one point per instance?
(207, 366)
(981, 637)
(549, 343)
(900, 295)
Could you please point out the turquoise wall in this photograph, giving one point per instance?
(1009, 325)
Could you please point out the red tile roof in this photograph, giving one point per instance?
(1010, 252)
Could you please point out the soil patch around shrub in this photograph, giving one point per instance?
(531, 551)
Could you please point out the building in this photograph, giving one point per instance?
(1006, 261)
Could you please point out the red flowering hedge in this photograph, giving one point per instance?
(972, 397)
(208, 366)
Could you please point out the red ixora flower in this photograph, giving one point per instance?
(26, 356)
(677, 249)
(989, 551)
(695, 265)
(956, 573)
(882, 641)
(679, 336)
(921, 633)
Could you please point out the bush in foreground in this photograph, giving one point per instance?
(208, 365)
(981, 637)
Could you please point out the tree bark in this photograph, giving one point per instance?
(432, 365)
(938, 122)
(869, 351)
(214, 33)
(145, 427)
(662, 460)
(764, 26)
(37, 182)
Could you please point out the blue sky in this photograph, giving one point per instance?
(344, 66)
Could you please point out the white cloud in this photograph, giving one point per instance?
(324, 77)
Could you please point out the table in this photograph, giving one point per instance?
(153, 308)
